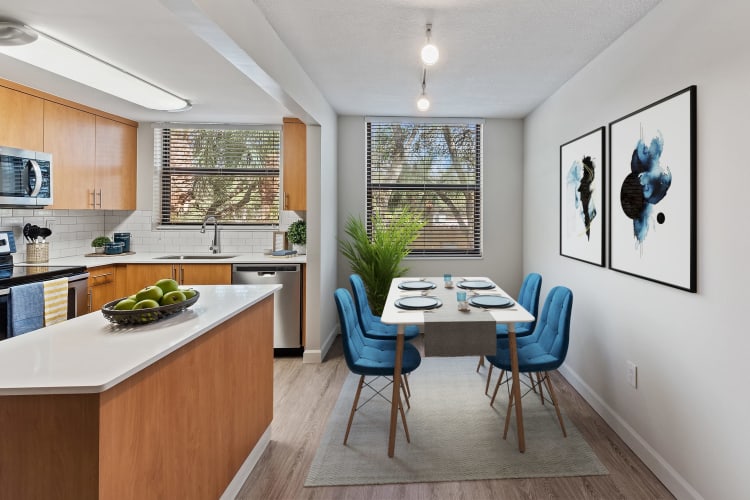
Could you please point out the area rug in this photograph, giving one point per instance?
(455, 435)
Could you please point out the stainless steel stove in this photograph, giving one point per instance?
(12, 275)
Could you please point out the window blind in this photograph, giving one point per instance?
(433, 169)
(231, 174)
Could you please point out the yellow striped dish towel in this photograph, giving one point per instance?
(55, 301)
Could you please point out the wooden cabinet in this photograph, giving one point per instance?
(70, 135)
(141, 275)
(115, 174)
(22, 119)
(93, 152)
(102, 286)
(294, 137)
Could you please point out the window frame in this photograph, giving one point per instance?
(161, 155)
(476, 250)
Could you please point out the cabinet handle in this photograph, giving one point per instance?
(286, 201)
(93, 199)
(182, 275)
(100, 198)
(102, 275)
(90, 299)
(174, 273)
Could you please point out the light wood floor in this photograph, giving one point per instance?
(304, 395)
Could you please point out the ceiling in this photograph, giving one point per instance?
(498, 58)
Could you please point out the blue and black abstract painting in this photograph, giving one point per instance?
(580, 180)
(645, 186)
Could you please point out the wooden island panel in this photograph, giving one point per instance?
(180, 428)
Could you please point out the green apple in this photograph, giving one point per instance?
(167, 285)
(188, 292)
(151, 292)
(125, 304)
(172, 297)
(132, 297)
(146, 304)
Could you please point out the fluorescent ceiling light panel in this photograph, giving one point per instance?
(58, 57)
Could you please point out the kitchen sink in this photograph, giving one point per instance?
(209, 256)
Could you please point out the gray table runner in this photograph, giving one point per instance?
(450, 332)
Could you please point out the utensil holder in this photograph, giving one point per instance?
(37, 252)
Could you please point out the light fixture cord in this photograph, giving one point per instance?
(424, 79)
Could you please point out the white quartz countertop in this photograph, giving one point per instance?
(153, 258)
(89, 354)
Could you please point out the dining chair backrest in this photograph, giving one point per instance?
(528, 296)
(366, 318)
(352, 337)
(552, 331)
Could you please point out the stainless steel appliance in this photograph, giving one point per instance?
(287, 333)
(12, 275)
(25, 177)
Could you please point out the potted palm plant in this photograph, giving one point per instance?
(377, 257)
(296, 233)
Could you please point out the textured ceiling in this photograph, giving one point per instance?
(499, 58)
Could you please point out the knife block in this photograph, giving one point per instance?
(37, 252)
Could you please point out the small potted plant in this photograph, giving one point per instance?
(99, 242)
(296, 233)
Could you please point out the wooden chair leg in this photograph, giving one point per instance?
(541, 386)
(497, 386)
(406, 382)
(403, 389)
(354, 407)
(481, 363)
(533, 385)
(489, 376)
(403, 420)
(554, 402)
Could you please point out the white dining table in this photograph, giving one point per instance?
(401, 317)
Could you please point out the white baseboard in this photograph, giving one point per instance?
(235, 485)
(318, 355)
(674, 482)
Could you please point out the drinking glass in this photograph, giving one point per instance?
(448, 280)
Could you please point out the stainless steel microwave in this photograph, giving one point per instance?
(25, 177)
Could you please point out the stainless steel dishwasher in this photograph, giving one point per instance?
(287, 333)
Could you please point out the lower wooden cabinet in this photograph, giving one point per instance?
(102, 286)
(141, 275)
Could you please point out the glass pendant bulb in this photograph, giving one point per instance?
(430, 54)
(423, 103)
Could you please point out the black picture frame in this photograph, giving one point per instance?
(582, 198)
(653, 192)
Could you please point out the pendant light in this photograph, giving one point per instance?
(423, 103)
(430, 53)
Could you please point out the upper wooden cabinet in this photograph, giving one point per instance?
(21, 116)
(115, 176)
(93, 152)
(70, 135)
(294, 137)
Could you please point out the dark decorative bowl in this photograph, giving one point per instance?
(143, 316)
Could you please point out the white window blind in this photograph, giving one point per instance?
(433, 169)
(232, 174)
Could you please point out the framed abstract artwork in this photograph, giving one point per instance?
(652, 185)
(582, 198)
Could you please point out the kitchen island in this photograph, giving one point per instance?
(171, 409)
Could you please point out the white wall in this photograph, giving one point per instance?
(501, 207)
(688, 417)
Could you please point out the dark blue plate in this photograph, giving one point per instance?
(491, 301)
(476, 285)
(418, 303)
(416, 285)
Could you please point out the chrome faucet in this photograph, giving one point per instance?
(215, 244)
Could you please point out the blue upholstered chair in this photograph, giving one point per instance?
(542, 351)
(370, 357)
(371, 324)
(528, 297)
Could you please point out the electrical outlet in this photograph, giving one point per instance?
(49, 223)
(632, 374)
